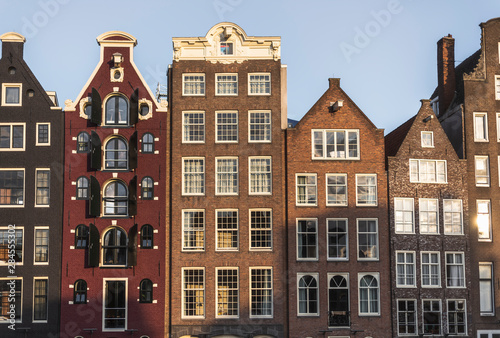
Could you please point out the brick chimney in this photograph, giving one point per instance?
(446, 72)
(12, 44)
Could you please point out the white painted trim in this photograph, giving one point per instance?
(237, 248)
(4, 94)
(183, 307)
(315, 275)
(331, 259)
(346, 190)
(250, 269)
(34, 245)
(221, 158)
(49, 134)
(250, 112)
(23, 124)
(299, 259)
(46, 298)
(24, 189)
(250, 248)
(104, 280)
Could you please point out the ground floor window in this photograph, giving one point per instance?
(115, 305)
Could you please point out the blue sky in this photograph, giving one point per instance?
(384, 51)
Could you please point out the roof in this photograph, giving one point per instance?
(395, 138)
(292, 123)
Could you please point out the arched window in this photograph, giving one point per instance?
(83, 143)
(116, 154)
(115, 199)
(117, 110)
(82, 188)
(80, 292)
(148, 145)
(147, 236)
(147, 188)
(338, 301)
(308, 295)
(146, 291)
(369, 295)
(81, 236)
(114, 247)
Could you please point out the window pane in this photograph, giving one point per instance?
(11, 187)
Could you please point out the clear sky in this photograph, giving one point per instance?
(384, 51)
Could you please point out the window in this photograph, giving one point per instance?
(227, 293)
(193, 126)
(11, 94)
(306, 189)
(11, 245)
(336, 189)
(407, 317)
(455, 270)
(457, 317)
(117, 110)
(484, 220)
(12, 136)
(260, 175)
(261, 224)
(497, 87)
(227, 230)
(40, 290)
(226, 176)
(338, 300)
(193, 293)
(115, 304)
(308, 299)
(226, 126)
(80, 292)
(226, 48)
(366, 189)
(307, 239)
(259, 126)
(480, 127)
(115, 199)
(146, 291)
(335, 144)
(403, 215)
(431, 316)
(82, 188)
(259, 84)
(147, 236)
(369, 294)
(193, 172)
(116, 154)
(43, 134)
(114, 247)
(337, 239)
(226, 84)
(428, 171)
(193, 84)
(81, 236)
(147, 188)
(405, 268)
(148, 143)
(261, 293)
(144, 109)
(12, 187)
(486, 291)
(11, 288)
(498, 114)
(42, 187)
(453, 221)
(83, 143)
(427, 139)
(193, 223)
(41, 245)
(428, 216)
(87, 110)
(431, 271)
(482, 171)
(367, 239)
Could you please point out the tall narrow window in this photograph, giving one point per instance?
(369, 295)
(403, 215)
(497, 87)
(431, 316)
(82, 188)
(307, 239)
(453, 220)
(261, 230)
(114, 247)
(260, 175)
(226, 84)
(41, 245)
(306, 189)
(40, 293)
(366, 189)
(11, 288)
(259, 84)
(147, 188)
(193, 224)
(405, 268)
(115, 305)
(337, 239)
(193, 171)
(336, 189)
(148, 143)
(407, 317)
(428, 216)
(486, 289)
(115, 199)
(81, 236)
(227, 293)
(226, 126)
(193, 293)
(146, 291)
(484, 220)
(482, 171)
(147, 236)
(83, 142)
(116, 154)
(80, 292)
(226, 176)
(455, 269)
(308, 301)
(12, 188)
(193, 84)
(431, 276)
(261, 292)
(480, 127)
(117, 110)
(42, 187)
(259, 126)
(457, 317)
(367, 239)
(43, 134)
(227, 230)
(193, 126)
(338, 301)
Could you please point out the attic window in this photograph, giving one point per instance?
(226, 48)
(12, 70)
(427, 139)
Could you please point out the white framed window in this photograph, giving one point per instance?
(117, 110)
(193, 84)
(193, 176)
(12, 136)
(306, 193)
(484, 220)
(11, 245)
(498, 118)
(12, 94)
(226, 84)
(42, 183)
(11, 288)
(226, 48)
(259, 84)
(429, 215)
(455, 270)
(114, 304)
(488, 333)
(427, 139)
(366, 190)
(480, 127)
(193, 127)
(12, 188)
(226, 177)
(261, 229)
(227, 230)
(428, 171)
(497, 87)
(337, 239)
(41, 252)
(404, 215)
(116, 153)
(331, 144)
(308, 296)
(261, 292)
(259, 126)
(457, 317)
(430, 269)
(367, 239)
(453, 217)
(260, 175)
(226, 127)
(405, 269)
(338, 300)
(40, 299)
(115, 197)
(43, 134)
(486, 289)
(307, 239)
(193, 293)
(193, 225)
(227, 302)
(369, 294)
(431, 316)
(336, 189)
(482, 171)
(407, 317)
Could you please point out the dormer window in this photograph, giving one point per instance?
(226, 48)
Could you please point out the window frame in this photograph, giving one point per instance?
(116, 118)
(115, 201)
(76, 291)
(230, 127)
(46, 296)
(83, 190)
(439, 317)
(484, 160)
(12, 230)
(454, 264)
(38, 143)
(4, 94)
(266, 291)
(80, 143)
(104, 281)
(376, 276)
(421, 211)
(185, 290)
(328, 185)
(268, 232)
(489, 225)
(406, 324)
(404, 223)
(299, 234)
(115, 249)
(201, 174)
(498, 114)
(346, 234)
(11, 136)
(24, 188)
(217, 313)
(449, 316)
(234, 233)
(405, 265)
(147, 237)
(489, 266)
(186, 126)
(306, 185)
(186, 231)
(202, 86)
(324, 144)
(259, 93)
(497, 84)
(485, 126)
(266, 127)
(42, 188)
(115, 160)
(146, 191)
(314, 275)
(422, 138)
(217, 82)
(145, 291)
(145, 145)
(430, 264)
(232, 176)
(358, 195)
(345, 276)
(78, 236)
(419, 173)
(36, 229)
(377, 244)
(19, 299)
(452, 224)
(251, 181)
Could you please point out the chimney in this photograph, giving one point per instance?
(446, 72)
(334, 82)
(12, 44)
